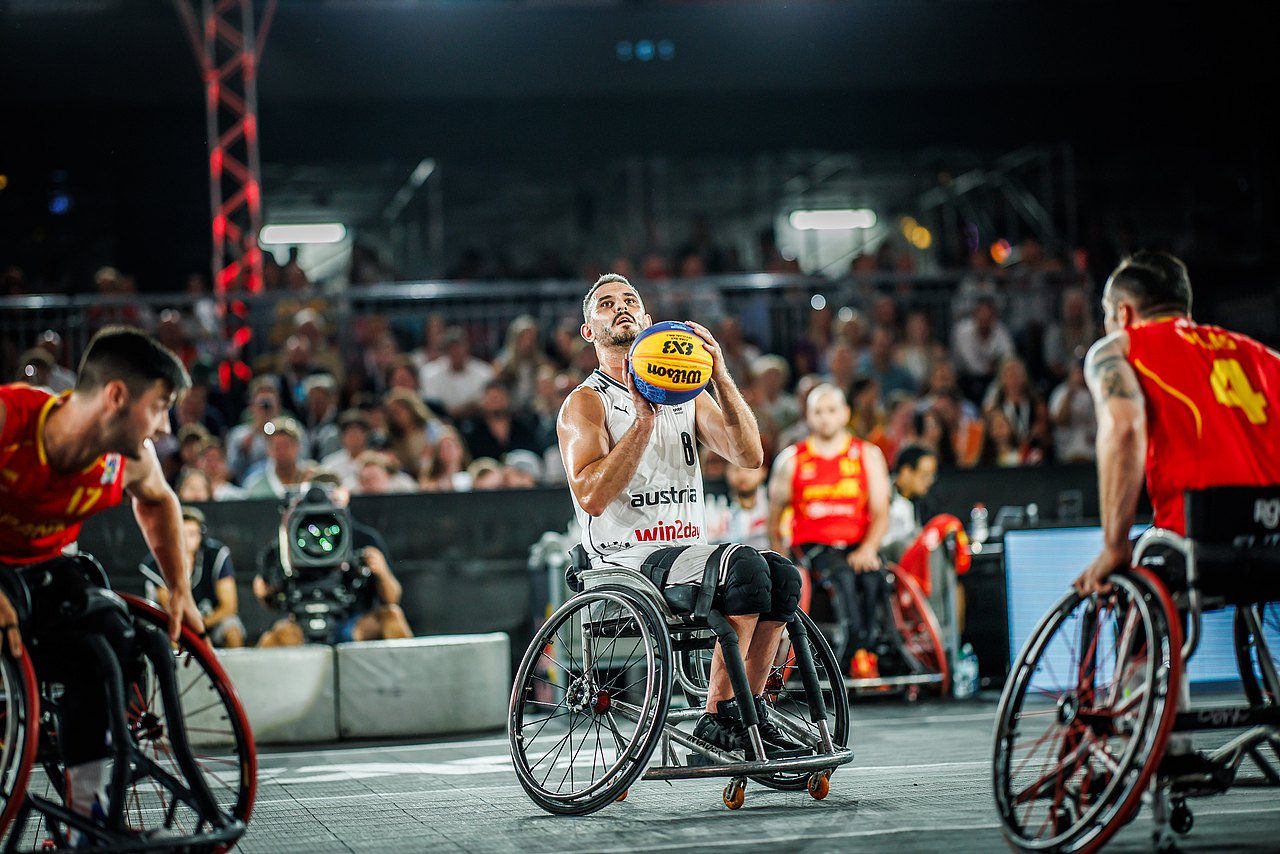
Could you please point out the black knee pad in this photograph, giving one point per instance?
(784, 586)
(746, 583)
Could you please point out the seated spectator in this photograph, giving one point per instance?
(193, 486)
(979, 343)
(934, 432)
(1069, 337)
(963, 422)
(247, 442)
(194, 407)
(212, 460)
(191, 440)
(213, 581)
(497, 428)
(520, 359)
(1075, 424)
(521, 469)
(747, 512)
(35, 367)
(1013, 393)
(739, 353)
(1000, 445)
(60, 377)
(770, 375)
(486, 473)
(353, 425)
(448, 470)
(380, 475)
(403, 374)
(377, 614)
(320, 414)
(285, 469)
(411, 429)
(919, 351)
(878, 362)
(457, 379)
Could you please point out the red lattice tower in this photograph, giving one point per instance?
(228, 53)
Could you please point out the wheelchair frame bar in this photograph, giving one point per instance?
(1227, 717)
(1187, 548)
(1265, 661)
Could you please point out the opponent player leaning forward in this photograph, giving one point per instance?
(637, 490)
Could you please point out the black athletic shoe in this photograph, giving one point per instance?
(776, 740)
(724, 730)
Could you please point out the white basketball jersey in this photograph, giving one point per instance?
(663, 503)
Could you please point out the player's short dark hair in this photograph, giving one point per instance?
(607, 278)
(910, 457)
(133, 357)
(1157, 281)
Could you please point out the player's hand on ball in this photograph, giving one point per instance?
(713, 347)
(644, 408)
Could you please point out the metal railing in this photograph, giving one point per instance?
(775, 311)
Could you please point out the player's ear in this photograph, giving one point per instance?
(116, 394)
(647, 319)
(586, 332)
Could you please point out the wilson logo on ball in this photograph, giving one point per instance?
(670, 363)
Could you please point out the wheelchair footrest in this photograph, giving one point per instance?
(751, 768)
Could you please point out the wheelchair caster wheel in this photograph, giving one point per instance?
(622, 797)
(820, 785)
(913, 694)
(735, 794)
(1181, 819)
(1164, 842)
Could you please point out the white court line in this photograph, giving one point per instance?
(816, 837)
(364, 751)
(930, 719)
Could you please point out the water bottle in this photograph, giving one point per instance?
(978, 530)
(965, 683)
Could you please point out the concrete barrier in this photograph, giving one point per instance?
(423, 686)
(288, 693)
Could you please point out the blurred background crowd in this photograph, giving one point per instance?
(984, 369)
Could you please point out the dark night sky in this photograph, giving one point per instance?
(1158, 93)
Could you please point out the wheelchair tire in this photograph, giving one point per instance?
(19, 731)
(1097, 684)
(221, 740)
(789, 706)
(1252, 677)
(918, 627)
(601, 701)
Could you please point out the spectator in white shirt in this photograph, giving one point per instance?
(457, 379)
(978, 344)
(354, 426)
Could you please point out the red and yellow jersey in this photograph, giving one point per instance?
(829, 496)
(1213, 411)
(41, 510)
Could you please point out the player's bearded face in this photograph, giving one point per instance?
(618, 317)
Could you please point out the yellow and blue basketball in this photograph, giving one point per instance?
(670, 364)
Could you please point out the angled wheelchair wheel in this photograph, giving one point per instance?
(1253, 654)
(19, 732)
(590, 700)
(218, 731)
(789, 705)
(1085, 716)
(918, 628)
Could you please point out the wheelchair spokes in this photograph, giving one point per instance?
(1257, 641)
(589, 700)
(1088, 704)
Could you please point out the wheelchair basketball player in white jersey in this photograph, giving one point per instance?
(637, 491)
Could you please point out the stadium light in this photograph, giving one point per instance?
(313, 232)
(843, 219)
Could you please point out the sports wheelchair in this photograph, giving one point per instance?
(592, 699)
(1099, 688)
(184, 772)
(916, 648)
